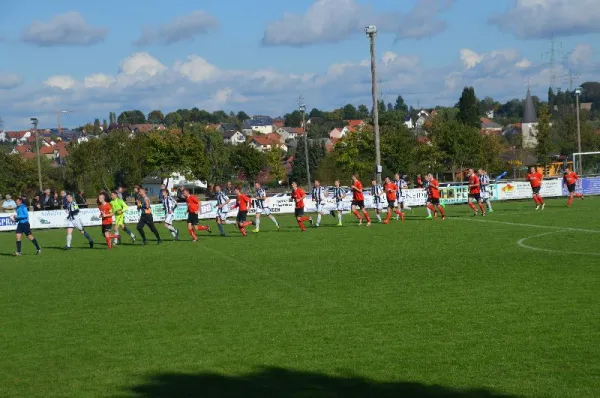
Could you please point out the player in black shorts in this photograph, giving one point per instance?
(23, 227)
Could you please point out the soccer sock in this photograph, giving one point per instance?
(541, 199)
(87, 236)
(535, 199)
(472, 206)
(117, 236)
(142, 234)
(257, 224)
(221, 230)
(481, 207)
(272, 219)
(172, 230)
(367, 216)
(128, 231)
(398, 212)
(570, 201)
(246, 223)
(357, 214)
(35, 243)
(301, 225)
(339, 217)
(429, 207)
(18, 246)
(305, 218)
(69, 240)
(192, 233)
(489, 204)
(389, 215)
(318, 218)
(108, 241)
(441, 209)
(201, 227)
(378, 217)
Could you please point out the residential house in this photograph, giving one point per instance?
(489, 127)
(222, 127)
(354, 125)
(3, 136)
(233, 137)
(18, 136)
(278, 123)
(330, 144)
(145, 128)
(264, 143)
(275, 138)
(408, 122)
(258, 125)
(423, 117)
(288, 133)
(338, 133)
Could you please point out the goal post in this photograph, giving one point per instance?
(586, 163)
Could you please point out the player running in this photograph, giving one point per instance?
(169, 206)
(570, 180)
(433, 196)
(242, 202)
(319, 196)
(74, 221)
(146, 217)
(262, 207)
(21, 217)
(338, 194)
(484, 181)
(106, 214)
(298, 196)
(193, 209)
(391, 191)
(358, 201)
(535, 179)
(377, 194)
(222, 209)
(119, 207)
(475, 192)
(401, 186)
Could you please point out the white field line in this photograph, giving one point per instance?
(521, 243)
(591, 231)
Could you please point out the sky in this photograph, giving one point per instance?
(91, 58)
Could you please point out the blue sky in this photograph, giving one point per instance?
(260, 55)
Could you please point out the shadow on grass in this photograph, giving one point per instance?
(284, 383)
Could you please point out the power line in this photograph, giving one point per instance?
(555, 51)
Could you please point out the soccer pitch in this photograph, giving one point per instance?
(506, 305)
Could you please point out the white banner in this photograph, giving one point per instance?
(283, 204)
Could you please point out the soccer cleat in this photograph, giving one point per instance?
(475, 214)
(144, 242)
(194, 240)
(159, 242)
(132, 236)
(490, 211)
(537, 207)
(543, 206)
(38, 251)
(317, 225)
(16, 254)
(310, 220)
(209, 230)
(339, 224)
(278, 228)
(368, 223)
(386, 221)
(91, 244)
(176, 234)
(429, 218)
(66, 248)
(255, 231)
(482, 214)
(443, 218)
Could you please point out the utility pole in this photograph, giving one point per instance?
(58, 113)
(577, 94)
(302, 106)
(371, 31)
(34, 121)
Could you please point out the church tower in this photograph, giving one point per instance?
(529, 123)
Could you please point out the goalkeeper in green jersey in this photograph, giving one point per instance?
(119, 208)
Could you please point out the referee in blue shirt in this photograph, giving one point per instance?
(23, 227)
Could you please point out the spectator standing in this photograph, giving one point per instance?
(9, 203)
(47, 200)
(36, 203)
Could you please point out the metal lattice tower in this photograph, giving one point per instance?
(570, 78)
(555, 51)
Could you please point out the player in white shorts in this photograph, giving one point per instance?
(338, 195)
(377, 195)
(222, 210)
(319, 196)
(74, 222)
(262, 207)
(169, 205)
(402, 186)
(484, 185)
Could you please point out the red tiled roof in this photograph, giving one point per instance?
(422, 140)
(47, 150)
(485, 120)
(29, 155)
(274, 137)
(16, 134)
(24, 149)
(264, 140)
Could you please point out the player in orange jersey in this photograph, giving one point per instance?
(391, 191)
(570, 180)
(475, 192)
(243, 202)
(298, 196)
(193, 209)
(358, 201)
(535, 179)
(433, 195)
(106, 214)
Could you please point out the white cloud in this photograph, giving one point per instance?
(63, 82)
(523, 64)
(196, 69)
(469, 58)
(581, 55)
(540, 19)
(330, 21)
(10, 80)
(69, 29)
(98, 80)
(179, 29)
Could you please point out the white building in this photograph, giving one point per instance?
(529, 124)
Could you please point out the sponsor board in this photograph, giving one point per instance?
(522, 190)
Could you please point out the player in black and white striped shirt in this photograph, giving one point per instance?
(222, 209)
(262, 207)
(169, 206)
(377, 195)
(338, 195)
(319, 196)
(484, 187)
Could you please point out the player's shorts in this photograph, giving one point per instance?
(192, 218)
(485, 195)
(241, 216)
(106, 228)
(339, 206)
(75, 223)
(536, 190)
(169, 218)
(378, 205)
(320, 207)
(299, 212)
(391, 204)
(434, 201)
(571, 188)
(475, 196)
(120, 220)
(359, 203)
(24, 228)
(222, 215)
(265, 210)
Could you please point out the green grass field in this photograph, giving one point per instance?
(484, 307)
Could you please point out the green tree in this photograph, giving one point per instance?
(218, 154)
(314, 112)
(355, 153)
(132, 117)
(316, 153)
(350, 112)
(275, 165)
(173, 119)
(550, 96)
(491, 149)
(97, 130)
(104, 126)
(400, 105)
(363, 112)
(293, 119)
(381, 107)
(459, 143)
(156, 117)
(242, 116)
(468, 113)
(542, 132)
(248, 160)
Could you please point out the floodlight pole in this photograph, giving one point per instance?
(34, 121)
(577, 94)
(371, 31)
(303, 110)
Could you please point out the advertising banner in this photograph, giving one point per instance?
(522, 190)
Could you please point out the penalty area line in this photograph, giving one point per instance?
(521, 243)
(591, 231)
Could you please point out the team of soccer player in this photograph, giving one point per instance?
(393, 192)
